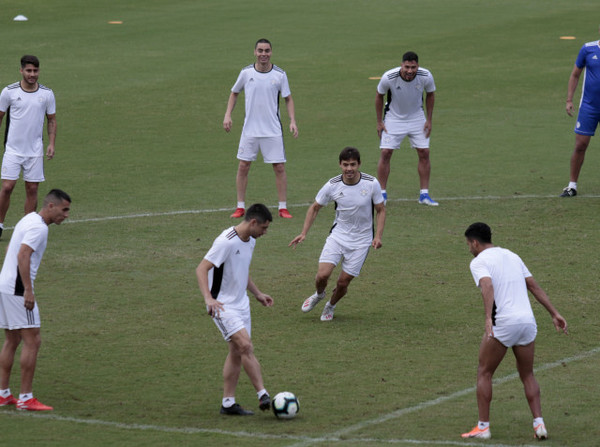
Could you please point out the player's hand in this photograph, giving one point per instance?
(376, 243)
(298, 239)
(380, 128)
(50, 152)
(427, 128)
(29, 300)
(294, 129)
(264, 299)
(227, 124)
(214, 307)
(570, 108)
(560, 324)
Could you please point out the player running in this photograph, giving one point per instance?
(355, 195)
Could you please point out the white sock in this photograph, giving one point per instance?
(330, 305)
(483, 425)
(383, 191)
(425, 191)
(537, 421)
(320, 295)
(228, 402)
(282, 205)
(261, 393)
(573, 185)
(5, 393)
(241, 205)
(26, 396)
(2, 225)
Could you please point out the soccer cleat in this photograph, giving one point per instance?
(327, 314)
(32, 405)
(569, 192)
(236, 410)
(239, 212)
(10, 400)
(424, 199)
(283, 212)
(310, 302)
(384, 194)
(264, 402)
(478, 433)
(540, 432)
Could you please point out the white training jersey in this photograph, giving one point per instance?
(262, 91)
(26, 112)
(404, 99)
(228, 280)
(353, 225)
(508, 273)
(32, 231)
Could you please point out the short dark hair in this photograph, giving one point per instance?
(56, 196)
(29, 59)
(479, 231)
(349, 153)
(262, 41)
(410, 56)
(259, 212)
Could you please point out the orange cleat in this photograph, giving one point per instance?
(10, 400)
(239, 212)
(478, 433)
(283, 212)
(32, 405)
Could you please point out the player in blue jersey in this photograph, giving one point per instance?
(589, 107)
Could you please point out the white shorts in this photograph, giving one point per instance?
(33, 168)
(412, 129)
(14, 315)
(229, 322)
(352, 258)
(515, 334)
(271, 148)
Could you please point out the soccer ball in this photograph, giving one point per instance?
(285, 405)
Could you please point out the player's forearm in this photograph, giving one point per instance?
(291, 109)
(231, 102)
(429, 103)
(379, 107)
(52, 130)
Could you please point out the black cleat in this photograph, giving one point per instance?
(264, 402)
(569, 192)
(236, 410)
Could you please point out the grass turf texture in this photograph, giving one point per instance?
(140, 107)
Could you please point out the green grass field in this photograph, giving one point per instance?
(129, 357)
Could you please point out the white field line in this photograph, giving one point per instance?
(337, 436)
(298, 205)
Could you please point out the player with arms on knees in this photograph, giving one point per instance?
(404, 117)
(355, 195)
(224, 277)
(509, 323)
(19, 313)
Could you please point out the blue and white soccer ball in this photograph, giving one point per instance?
(285, 405)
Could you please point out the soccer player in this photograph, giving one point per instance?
(224, 276)
(355, 194)
(509, 323)
(26, 103)
(263, 84)
(403, 116)
(19, 313)
(589, 108)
